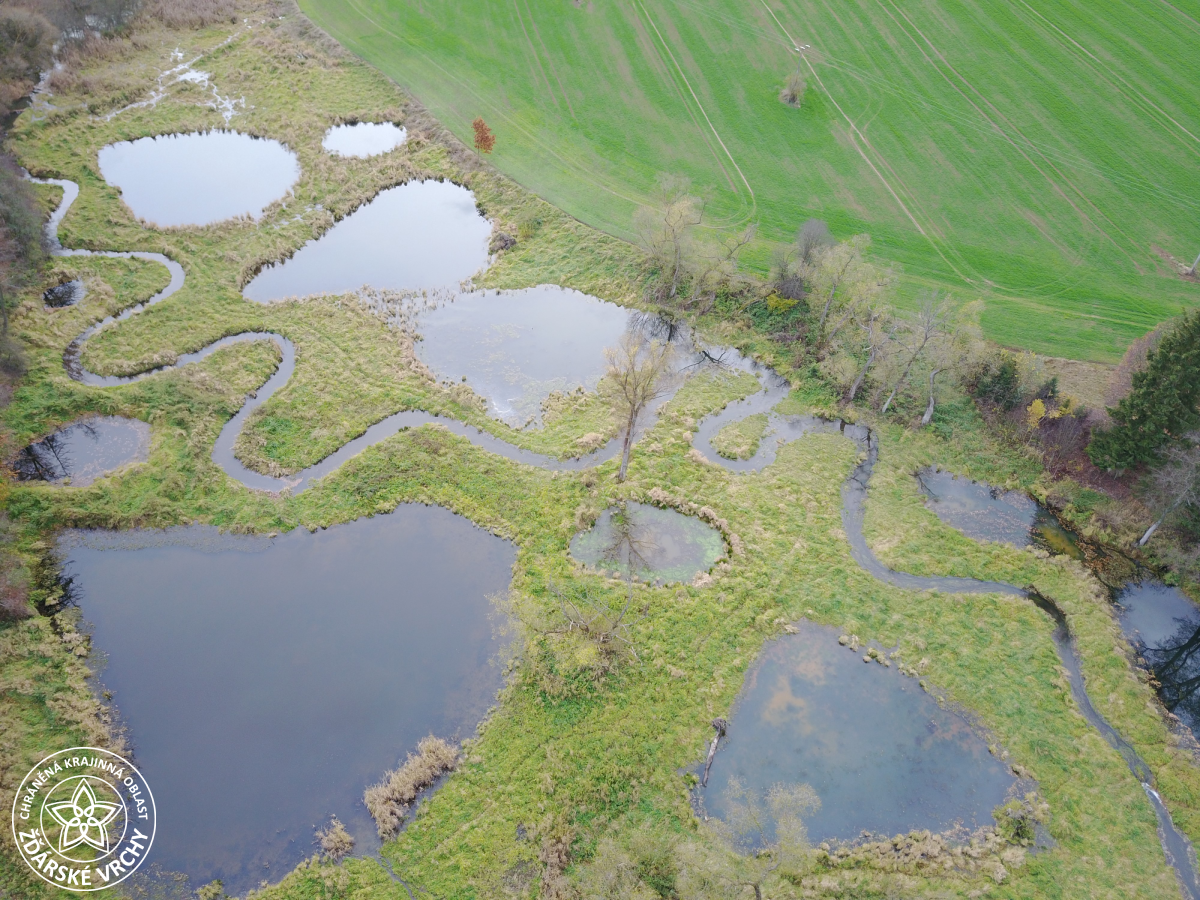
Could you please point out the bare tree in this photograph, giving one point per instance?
(639, 372)
(1176, 481)
(879, 332)
(929, 325)
(812, 236)
(844, 281)
(749, 847)
(715, 266)
(667, 231)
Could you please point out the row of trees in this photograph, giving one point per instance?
(825, 297)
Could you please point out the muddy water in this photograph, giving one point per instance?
(659, 545)
(423, 234)
(515, 347)
(880, 753)
(267, 682)
(199, 178)
(84, 451)
(363, 139)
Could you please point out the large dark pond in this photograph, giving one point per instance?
(267, 682)
(85, 450)
(652, 544)
(515, 347)
(199, 178)
(423, 234)
(880, 753)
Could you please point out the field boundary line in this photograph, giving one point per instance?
(1018, 147)
(716, 134)
(537, 60)
(1113, 73)
(854, 131)
(499, 113)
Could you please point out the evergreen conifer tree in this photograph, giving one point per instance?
(1161, 408)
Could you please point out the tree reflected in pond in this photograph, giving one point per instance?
(1175, 664)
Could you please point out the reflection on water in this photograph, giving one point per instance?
(199, 178)
(515, 347)
(881, 754)
(423, 234)
(267, 682)
(85, 451)
(988, 513)
(363, 139)
(1163, 624)
(653, 544)
(66, 294)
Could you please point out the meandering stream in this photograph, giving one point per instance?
(781, 429)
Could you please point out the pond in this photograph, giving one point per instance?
(66, 294)
(423, 234)
(266, 682)
(199, 178)
(658, 545)
(880, 753)
(515, 347)
(987, 513)
(1163, 625)
(84, 451)
(363, 139)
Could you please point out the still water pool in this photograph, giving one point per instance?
(267, 681)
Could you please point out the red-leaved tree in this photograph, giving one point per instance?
(484, 139)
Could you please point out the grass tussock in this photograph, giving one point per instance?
(389, 800)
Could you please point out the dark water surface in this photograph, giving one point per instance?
(423, 234)
(363, 139)
(66, 294)
(657, 544)
(987, 513)
(199, 178)
(515, 347)
(880, 753)
(1163, 625)
(85, 450)
(267, 682)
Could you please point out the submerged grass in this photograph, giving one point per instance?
(593, 756)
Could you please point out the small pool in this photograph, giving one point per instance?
(66, 294)
(515, 347)
(199, 178)
(1163, 625)
(266, 682)
(987, 513)
(363, 139)
(84, 451)
(658, 545)
(423, 234)
(880, 753)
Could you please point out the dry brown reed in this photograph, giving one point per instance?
(389, 800)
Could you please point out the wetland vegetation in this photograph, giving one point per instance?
(582, 769)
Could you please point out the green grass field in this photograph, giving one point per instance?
(1042, 156)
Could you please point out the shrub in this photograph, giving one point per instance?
(792, 93)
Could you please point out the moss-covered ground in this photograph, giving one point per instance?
(566, 750)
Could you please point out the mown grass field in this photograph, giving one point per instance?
(604, 758)
(1038, 155)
